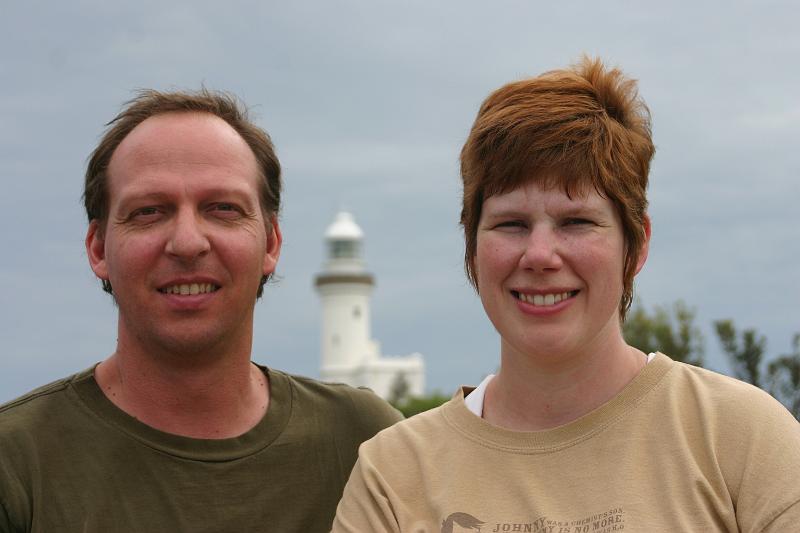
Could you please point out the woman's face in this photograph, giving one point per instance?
(549, 270)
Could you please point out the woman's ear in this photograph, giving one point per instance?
(642, 259)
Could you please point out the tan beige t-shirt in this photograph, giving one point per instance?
(679, 449)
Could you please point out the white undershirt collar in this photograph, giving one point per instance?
(474, 400)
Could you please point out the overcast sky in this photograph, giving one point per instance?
(368, 103)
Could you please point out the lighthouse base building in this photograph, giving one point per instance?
(349, 355)
(390, 377)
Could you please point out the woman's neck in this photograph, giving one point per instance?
(533, 394)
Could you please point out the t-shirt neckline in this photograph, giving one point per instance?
(459, 416)
(259, 437)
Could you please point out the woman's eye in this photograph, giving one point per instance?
(577, 222)
(511, 224)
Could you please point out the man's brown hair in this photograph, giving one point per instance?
(575, 128)
(149, 103)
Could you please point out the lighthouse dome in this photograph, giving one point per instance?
(344, 227)
(344, 240)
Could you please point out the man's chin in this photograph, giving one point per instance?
(190, 347)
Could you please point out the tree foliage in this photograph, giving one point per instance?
(399, 390)
(784, 378)
(417, 404)
(670, 330)
(745, 355)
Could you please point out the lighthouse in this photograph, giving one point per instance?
(348, 353)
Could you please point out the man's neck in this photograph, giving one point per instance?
(210, 399)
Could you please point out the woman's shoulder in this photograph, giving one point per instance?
(727, 407)
(423, 431)
(718, 390)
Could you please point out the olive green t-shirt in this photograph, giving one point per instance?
(72, 461)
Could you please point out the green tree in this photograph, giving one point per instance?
(417, 404)
(398, 392)
(745, 356)
(784, 378)
(670, 330)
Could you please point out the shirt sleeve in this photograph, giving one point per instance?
(366, 504)
(762, 460)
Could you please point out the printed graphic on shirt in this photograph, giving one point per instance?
(605, 522)
(464, 520)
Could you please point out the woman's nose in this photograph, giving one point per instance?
(542, 250)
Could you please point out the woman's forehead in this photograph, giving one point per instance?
(571, 182)
(555, 194)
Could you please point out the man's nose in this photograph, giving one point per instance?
(542, 251)
(188, 239)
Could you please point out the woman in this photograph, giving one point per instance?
(578, 431)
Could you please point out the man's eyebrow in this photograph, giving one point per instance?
(148, 194)
(229, 193)
(237, 195)
(144, 196)
(236, 192)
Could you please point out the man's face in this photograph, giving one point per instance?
(186, 243)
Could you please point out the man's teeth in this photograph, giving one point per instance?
(190, 288)
(543, 299)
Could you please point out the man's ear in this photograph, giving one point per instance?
(642, 259)
(96, 250)
(274, 241)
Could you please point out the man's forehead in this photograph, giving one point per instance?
(181, 134)
(181, 142)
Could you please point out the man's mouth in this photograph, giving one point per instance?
(544, 300)
(189, 289)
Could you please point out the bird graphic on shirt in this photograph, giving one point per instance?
(462, 519)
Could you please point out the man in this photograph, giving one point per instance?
(178, 430)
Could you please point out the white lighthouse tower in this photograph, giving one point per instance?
(349, 355)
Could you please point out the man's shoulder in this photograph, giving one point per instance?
(38, 416)
(40, 396)
(355, 404)
(324, 389)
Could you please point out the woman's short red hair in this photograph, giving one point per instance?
(575, 128)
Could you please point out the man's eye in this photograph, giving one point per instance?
(144, 212)
(225, 209)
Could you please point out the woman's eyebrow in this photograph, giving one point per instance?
(584, 210)
(505, 212)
